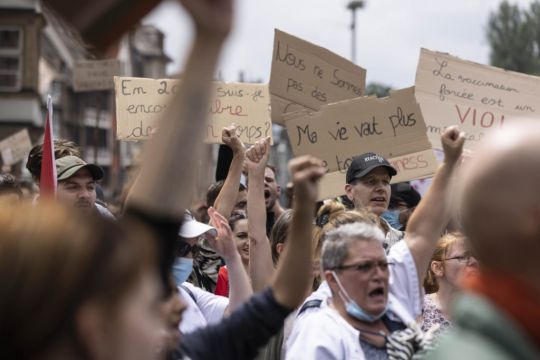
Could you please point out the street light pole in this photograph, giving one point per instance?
(353, 5)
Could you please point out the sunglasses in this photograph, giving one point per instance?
(184, 248)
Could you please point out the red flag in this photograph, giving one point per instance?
(47, 180)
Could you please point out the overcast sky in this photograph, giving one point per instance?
(390, 33)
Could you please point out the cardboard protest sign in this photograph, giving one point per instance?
(16, 147)
(476, 97)
(140, 102)
(392, 127)
(306, 76)
(95, 75)
(422, 185)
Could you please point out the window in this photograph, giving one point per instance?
(11, 58)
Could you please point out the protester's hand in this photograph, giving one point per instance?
(230, 138)
(212, 18)
(306, 171)
(223, 244)
(290, 193)
(257, 156)
(452, 142)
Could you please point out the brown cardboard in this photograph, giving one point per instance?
(95, 75)
(305, 75)
(140, 102)
(475, 97)
(393, 127)
(15, 147)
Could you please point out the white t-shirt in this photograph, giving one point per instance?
(205, 310)
(326, 335)
(318, 326)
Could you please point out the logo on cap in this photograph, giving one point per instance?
(374, 157)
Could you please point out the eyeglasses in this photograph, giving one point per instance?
(367, 267)
(462, 259)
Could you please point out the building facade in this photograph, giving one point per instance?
(38, 53)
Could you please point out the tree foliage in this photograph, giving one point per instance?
(378, 89)
(514, 37)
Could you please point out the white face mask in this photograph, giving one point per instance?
(181, 269)
(352, 307)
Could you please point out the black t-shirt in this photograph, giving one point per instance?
(270, 221)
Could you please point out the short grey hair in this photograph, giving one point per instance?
(336, 242)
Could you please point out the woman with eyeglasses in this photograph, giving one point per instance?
(449, 264)
(376, 297)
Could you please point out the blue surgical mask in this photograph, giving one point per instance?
(392, 216)
(181, 269)
(353, 309)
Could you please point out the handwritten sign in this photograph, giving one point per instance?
(95, 75)
(306, 76)
(476, 97)
(392, 127)
(140, 102)
(16, 147)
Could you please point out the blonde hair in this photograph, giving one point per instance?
(431, 284)
(52, 261)
(279, 232)
(335, 214)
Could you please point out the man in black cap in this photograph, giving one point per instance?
(368, 187)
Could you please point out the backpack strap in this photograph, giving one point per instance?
(190, 293)
(309, 305)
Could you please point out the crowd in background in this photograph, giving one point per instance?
(380, 273)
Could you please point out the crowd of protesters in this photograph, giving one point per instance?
(381, 273)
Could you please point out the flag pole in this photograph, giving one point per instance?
(47, 182)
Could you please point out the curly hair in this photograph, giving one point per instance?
(62, 147)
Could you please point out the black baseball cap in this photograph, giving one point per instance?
(363, 164)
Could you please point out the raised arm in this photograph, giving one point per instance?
(165, 183)
(433, 213)
(247, 329)
(293, 274)
(226, 199)
(261, 267)
(223, 244)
